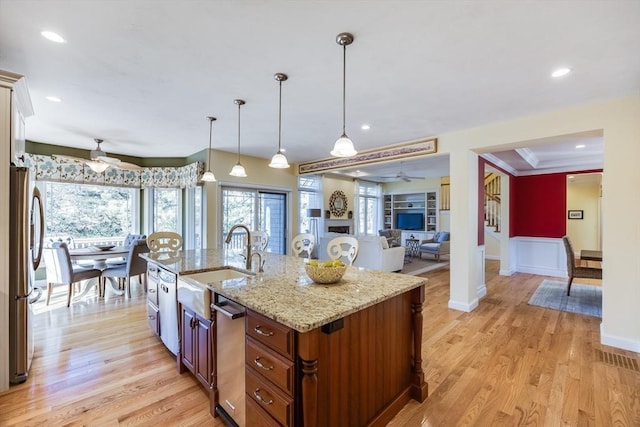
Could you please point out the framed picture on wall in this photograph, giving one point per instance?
(575, 214)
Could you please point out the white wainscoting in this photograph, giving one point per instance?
(540, 255)
(481, 286)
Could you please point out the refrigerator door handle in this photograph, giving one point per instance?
(37, 297)
(37, 198)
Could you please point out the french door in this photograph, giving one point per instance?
(258, 209)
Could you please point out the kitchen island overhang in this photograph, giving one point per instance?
(357, 343)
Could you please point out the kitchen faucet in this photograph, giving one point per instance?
(260, 262)
(248, 255)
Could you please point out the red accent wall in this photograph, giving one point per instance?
(539, 205)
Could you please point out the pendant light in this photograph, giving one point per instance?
(279, 161)
(344, 146)
(208, 175)
(238, 169)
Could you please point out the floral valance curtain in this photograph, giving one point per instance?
(63, 169)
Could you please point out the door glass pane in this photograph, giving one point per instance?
(238, 207)
(273, 220)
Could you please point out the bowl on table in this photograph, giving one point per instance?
(105, 247)
(325, 272)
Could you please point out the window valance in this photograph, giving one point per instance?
(62, 169)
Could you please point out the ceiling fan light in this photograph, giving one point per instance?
(238, 170)
(343, 147)
(208, 176)
(279, 161)
(98, 167)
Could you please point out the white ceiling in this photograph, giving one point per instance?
(143, 75)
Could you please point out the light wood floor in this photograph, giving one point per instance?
(506, 363)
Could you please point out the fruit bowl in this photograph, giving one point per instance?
(325, 272)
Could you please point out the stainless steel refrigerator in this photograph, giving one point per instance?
(26, 229)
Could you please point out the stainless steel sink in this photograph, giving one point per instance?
(193, 292)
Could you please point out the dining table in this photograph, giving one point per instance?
(99, 256)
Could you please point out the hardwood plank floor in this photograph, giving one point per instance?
(506, 363)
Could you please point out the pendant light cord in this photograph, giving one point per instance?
(280, 117)
(239, 133)
(344, 87)
(210, 133)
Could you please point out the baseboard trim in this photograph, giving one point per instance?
(482, 291)
(509, 272)
(492, 257)
(543, 271)
(463, 306)
(618, 342)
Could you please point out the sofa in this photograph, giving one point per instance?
(436, 246)
(374, 253)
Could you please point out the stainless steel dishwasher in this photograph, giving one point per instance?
(230, 360)
(168, 306)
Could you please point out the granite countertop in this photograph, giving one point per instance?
(284, 292)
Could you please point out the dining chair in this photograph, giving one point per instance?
(129, 240)
(304, 242)
(135, 266)
(60, 270)
(340, 247)
(259, 240)
(580, 272)
(164, 241)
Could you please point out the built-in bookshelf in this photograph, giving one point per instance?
(411, 203)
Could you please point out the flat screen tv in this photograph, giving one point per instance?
(410, 221)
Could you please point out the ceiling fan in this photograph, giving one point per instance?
(403, 176)
(98, 160)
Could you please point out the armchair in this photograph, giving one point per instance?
(376, 254)
(436, 246)
(393, 236)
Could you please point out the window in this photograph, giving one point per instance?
(194, 230)
(309, 197)
(167, 209)
(89, 211)
(368, 201)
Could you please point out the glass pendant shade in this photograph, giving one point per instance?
(208, 176)
(279, 161)
(98, 167)
(238, 170)
(343, 147)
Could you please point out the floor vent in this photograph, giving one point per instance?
(617, 360)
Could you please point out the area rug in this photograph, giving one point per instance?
(584, 299)
(418, 266)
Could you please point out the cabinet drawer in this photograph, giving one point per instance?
(152, 291)
(256, 416)
(271, 334)
(271, 365)
(153, 318)
(269, 398)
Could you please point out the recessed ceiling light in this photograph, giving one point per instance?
(580, 146)
(54, 37)
(561, 72)
(54, 99)
(365, 127)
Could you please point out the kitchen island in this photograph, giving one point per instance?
(342, 354)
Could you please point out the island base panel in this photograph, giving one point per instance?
(364, 373)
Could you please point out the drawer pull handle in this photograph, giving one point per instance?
(260, 365)
(259, 330)
(151, 317)
(151, 290)
(256, 393)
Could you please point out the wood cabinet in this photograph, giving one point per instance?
(425, 203)
(270, 371)
(196, 350)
